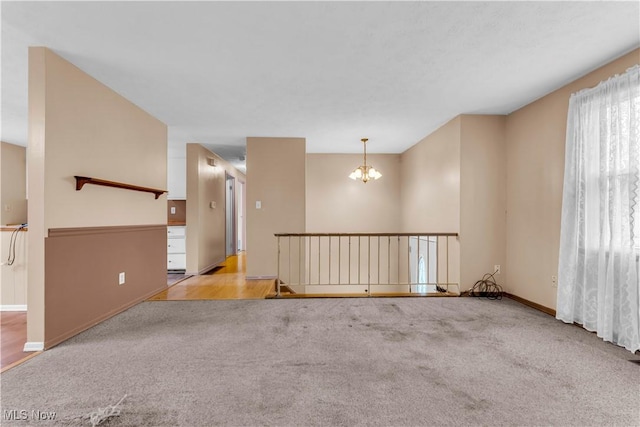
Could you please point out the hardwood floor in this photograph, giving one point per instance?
(225, 282)
(173, 278)
(13, 328)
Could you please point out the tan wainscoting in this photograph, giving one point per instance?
(81, 274)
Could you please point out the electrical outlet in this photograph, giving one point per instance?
(496, 268)
(554, 281)
(121, 278)
(173, 210)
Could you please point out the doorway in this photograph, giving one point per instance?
(230, 216)
(423, 264)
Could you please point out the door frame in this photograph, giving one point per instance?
(230, 241)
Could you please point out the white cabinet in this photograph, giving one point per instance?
(176, 247)
(177, 178)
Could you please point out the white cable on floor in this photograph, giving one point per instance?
(102, 414)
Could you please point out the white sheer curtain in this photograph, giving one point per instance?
(598, 284)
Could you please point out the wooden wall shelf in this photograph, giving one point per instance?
(82, 180)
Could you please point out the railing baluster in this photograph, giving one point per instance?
(398, 267)
(278, 273)
(359, 259)
(409, 262)
(428, 264)
(289, 258)
(378, 278)
(418, 263)
(388, 260)
(319, 263)
(437, 260)
(329, 259)
(309, 282)
(447, 263)
(349, 270)
(299, 260)
(369, 265)
(339, 259)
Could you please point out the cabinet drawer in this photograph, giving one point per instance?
(176, 261)
(176, 246)
(176, 231)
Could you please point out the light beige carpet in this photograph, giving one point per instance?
(376, 361)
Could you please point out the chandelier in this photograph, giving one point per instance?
(364, 172)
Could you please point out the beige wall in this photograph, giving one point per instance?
(13, 278)
(430, 190)
(338, 204)
(82, 140)
(13, 184)
(206, 230)
(430, 177)
(78, 126)
(535, 137)
(482, 198)
(275, 177)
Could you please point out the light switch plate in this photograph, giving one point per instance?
(258, 204)
(173, 210)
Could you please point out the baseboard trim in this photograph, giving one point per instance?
(210, 267)
(206, 269)
(13, 307)
(542, 308)
(261, 277)
(33, 346)
(57, 340)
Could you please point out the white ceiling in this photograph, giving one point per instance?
(332, 72)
